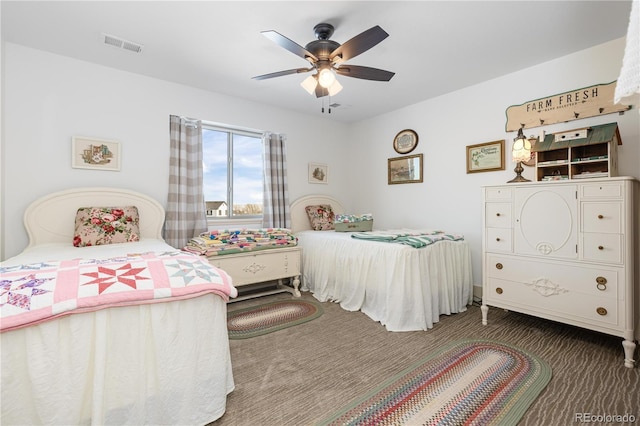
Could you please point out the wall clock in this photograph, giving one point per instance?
(405, 141)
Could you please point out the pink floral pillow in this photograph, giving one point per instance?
(106, 225)
(321, 217)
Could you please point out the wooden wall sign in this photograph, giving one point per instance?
(574, 105)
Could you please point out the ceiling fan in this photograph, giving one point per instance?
(327, 58)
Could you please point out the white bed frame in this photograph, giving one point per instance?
(299, 218)
(50, 218)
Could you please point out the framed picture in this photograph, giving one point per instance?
(405, 141)
(96, 154)
(485, 157)
(318, 173)
(405, 169)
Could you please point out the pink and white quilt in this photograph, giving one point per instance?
(37, 292)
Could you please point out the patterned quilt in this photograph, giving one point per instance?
(38, 292)
(413, 238)
(219, 242)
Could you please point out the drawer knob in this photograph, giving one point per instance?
(498, 265)
(600, 216)
(601, 311)
(601, 283)
(499, 290)
(600, 248)
(498, 239)
(497, 214)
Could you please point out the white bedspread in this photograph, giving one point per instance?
(404, 288)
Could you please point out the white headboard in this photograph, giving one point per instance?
(299, 218)
(50, 219)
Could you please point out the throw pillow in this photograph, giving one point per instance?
(321, 217)
(96, 226)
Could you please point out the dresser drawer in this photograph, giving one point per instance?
(602, 189)
(498, 215)
(499, 239)
(602, 217)
(260, 266)
(602, 247)
(498, 194)
(556, 278)
(569, 305)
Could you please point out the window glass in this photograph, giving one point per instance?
(233, 178)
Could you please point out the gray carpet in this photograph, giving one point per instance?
(299, 375)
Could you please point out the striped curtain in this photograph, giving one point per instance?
(275, 213)
(185, 216)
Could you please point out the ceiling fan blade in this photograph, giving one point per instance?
(359, 44)
(281, 73)
(366, 73)
(290, 45)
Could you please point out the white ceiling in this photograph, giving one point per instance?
(433, 47)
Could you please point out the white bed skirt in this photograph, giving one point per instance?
(133, 365)
(404, 288)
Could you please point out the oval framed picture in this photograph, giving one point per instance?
(405, 141)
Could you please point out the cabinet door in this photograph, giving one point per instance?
(546, 221)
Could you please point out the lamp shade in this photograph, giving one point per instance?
(309, 84)
(521, 150)
(335, 88)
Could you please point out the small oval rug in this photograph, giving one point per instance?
(270, 317)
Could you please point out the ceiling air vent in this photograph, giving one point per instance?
(122, 43)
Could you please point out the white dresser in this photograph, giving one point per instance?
(263, 266)
(565, 251)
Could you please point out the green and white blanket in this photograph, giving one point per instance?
(413, 238)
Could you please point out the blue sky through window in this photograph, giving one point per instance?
(247, 167)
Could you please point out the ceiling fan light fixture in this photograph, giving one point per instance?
(335, 88)
(326, 77)
(326, 58)
(309, 84)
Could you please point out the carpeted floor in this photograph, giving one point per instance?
(301, 374)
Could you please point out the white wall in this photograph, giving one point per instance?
(50, 98)
(449, 198)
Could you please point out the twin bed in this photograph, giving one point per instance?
(165, 360)
(404, 288)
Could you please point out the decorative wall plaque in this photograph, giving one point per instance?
(574, 105)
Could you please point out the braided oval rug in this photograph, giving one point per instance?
(468, 382)
(270, 317)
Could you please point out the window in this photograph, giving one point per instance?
(232, 166)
